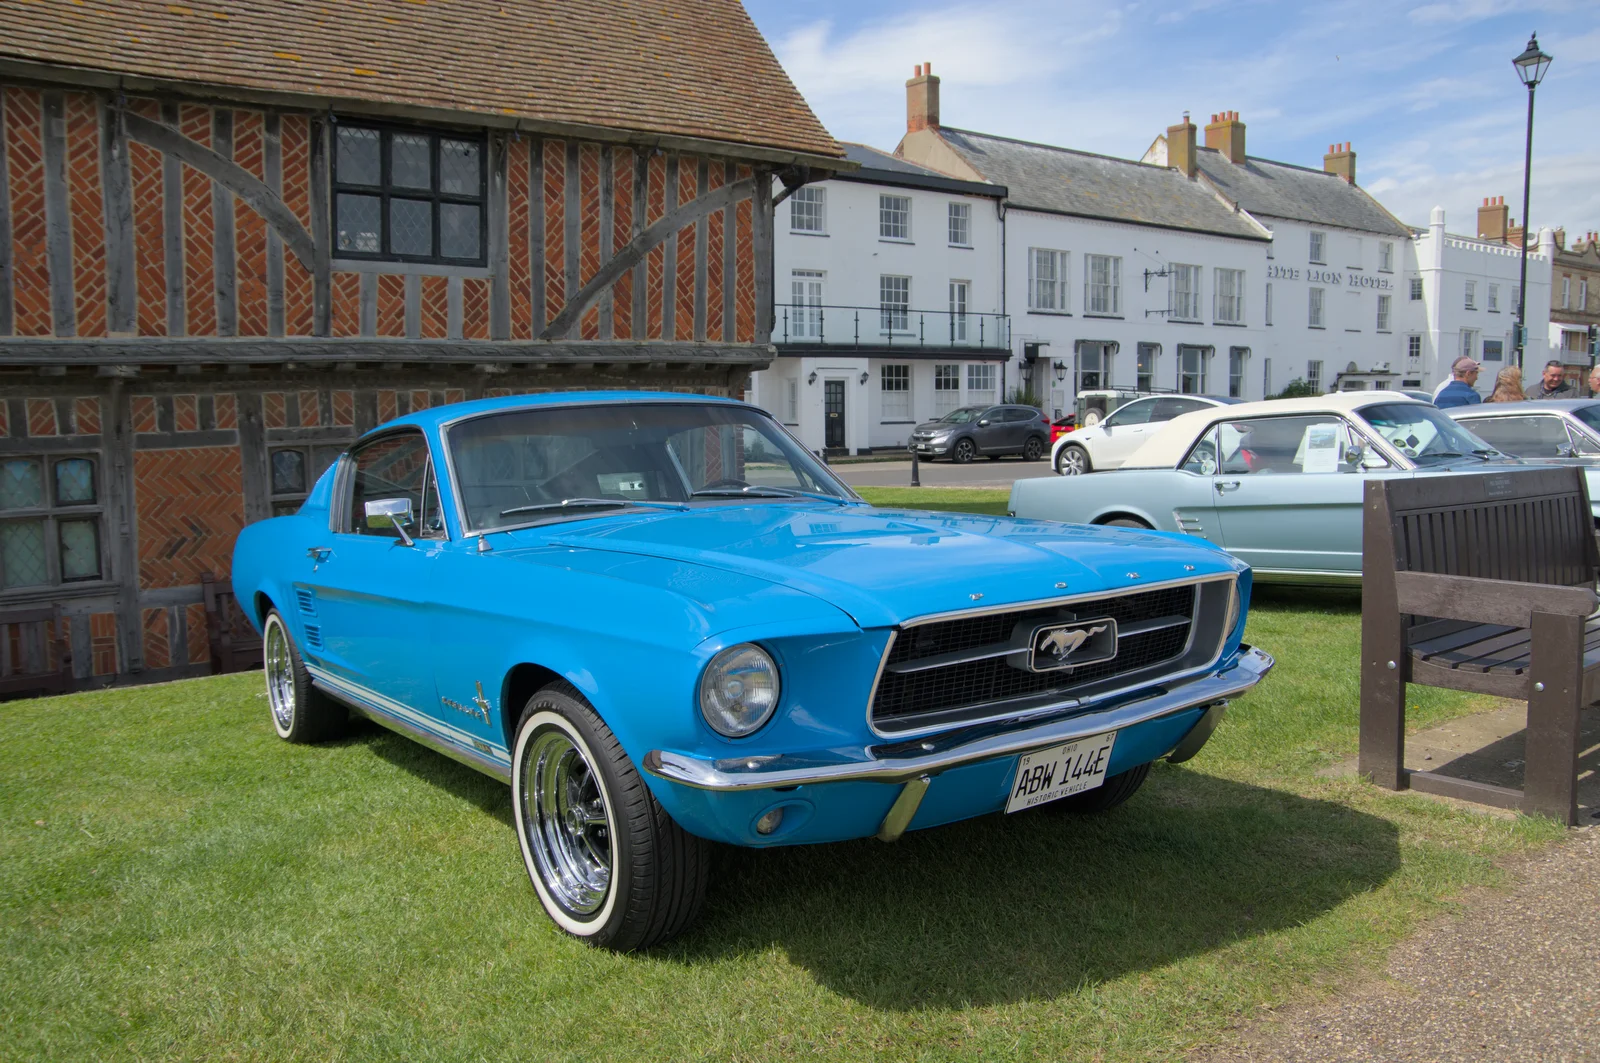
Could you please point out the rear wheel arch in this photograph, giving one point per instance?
(263, 605)
(1112, 518)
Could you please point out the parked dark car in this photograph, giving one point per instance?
(993, 431)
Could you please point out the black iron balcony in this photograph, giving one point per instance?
(878, 327)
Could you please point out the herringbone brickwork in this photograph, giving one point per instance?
(589, 229)
(623, 162)
(683, 314)
(388, 409)
(157, 639)
(555, 244)
(391, 305)
(185, 413)
(344, 408)
(190, 506)
(30, 266)
(86, 412)
(295, 132)
(88, 213)
(714, 252)
(103, 643)
(310, 409)
(194, 619)
(272, 410)
(250, 228)
(143, 408)
(655, 260)
(42, 418)
(744, 295)
(225, 410)
(149, 233)
(199, 230)
(434, 299)
(347, 304)
(520, 277)
(475, 308)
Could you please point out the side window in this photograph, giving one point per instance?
(1020, 413)
(393, 466)
(1581, 443)
(1264, 446)
(994, 415)
(1141, 412)
(1202, 457)
(1522, 437)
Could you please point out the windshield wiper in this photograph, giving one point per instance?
(757, 491)
(588, 503)
(1488, 454)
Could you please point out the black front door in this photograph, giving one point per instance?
(833, 414)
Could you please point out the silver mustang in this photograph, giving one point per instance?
(1278, 484)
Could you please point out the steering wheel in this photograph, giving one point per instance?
(727, 482)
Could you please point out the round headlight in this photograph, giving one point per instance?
(739, 690)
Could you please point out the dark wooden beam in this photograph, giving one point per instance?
(272, 161)
(58, 216)
(172, 232)
(116, 177)
(223, 266)
(499, 241)
(6, 311)
(321, 261)
(152, 352)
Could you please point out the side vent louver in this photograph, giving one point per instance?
(313, 636)
(308, 600)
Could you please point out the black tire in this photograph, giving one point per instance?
(1128, 522)
(1073, 460)
(1033, 449)
(300, 713)
(655, 872)
(963, 452)
(1108, 795)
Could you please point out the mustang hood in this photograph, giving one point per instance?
(887, 566)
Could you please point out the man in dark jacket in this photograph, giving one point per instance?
(1460, 392)
(1553, 385)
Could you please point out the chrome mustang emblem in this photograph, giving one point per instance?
(1064, 642)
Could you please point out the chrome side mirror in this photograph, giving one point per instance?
(1353, 455)
(384, 513)
(984, 423)
(1566, 450)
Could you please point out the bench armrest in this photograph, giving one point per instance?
(1488, 601)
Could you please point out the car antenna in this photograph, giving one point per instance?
(483, 543)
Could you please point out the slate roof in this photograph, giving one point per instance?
(1270, 189)
(881, 167)
(1058, 180)
(698, 69)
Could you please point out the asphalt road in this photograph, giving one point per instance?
(980, 473)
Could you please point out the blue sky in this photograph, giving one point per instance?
(1425, 91)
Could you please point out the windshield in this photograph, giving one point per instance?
(1424, 434)
(963, 415)
(1589, 416)
(570, 462)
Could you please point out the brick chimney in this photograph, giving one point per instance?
(1181, 146)
(1493, 219)
(1226, 134)
(1341, 160)
(922, 100)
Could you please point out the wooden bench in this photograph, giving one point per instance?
(35, 654)
(235, 645)
(1484, 583)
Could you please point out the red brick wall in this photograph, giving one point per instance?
(555, 246)
(655, 261)
(30, 269)
(149, 229)
(518, 211)
(295, 133)
(589, 231)
(199, 230)
(435, 307)
(88, 213)
(250, 229)
(683, 314)
(714, 252)
(391, 305)
(621, 232)
(190, 506)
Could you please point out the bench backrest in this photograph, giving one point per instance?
(1523, 525)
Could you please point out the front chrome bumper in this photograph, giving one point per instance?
(905, 761)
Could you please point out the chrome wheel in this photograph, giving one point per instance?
(567, 825)
(280, 675)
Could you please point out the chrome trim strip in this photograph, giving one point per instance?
(470, 757)
(1045, 603)
(761, 773)
(917, 732)
(415, 723)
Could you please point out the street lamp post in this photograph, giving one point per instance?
(1531, 65)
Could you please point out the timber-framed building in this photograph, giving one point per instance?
(234, 235)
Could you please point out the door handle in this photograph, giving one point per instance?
(1226, 485)
(320, 554)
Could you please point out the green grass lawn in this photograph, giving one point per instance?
(987, 500)
(176, 883)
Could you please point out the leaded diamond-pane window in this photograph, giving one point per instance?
(49, 521)
(294, 471)
(408, 195)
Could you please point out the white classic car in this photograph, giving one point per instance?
(1105, 443)
(1278, 484)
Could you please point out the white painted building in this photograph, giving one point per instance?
(1468, 304)
(889, 304)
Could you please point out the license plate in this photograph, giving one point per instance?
(1060, 771)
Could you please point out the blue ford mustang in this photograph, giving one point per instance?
(664, 623)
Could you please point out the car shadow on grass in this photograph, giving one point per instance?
(1030, 906)
(436, 769)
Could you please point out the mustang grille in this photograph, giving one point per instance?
(952, 671)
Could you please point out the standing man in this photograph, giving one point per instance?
(1594, 381)
(1553, 384)
(1460, 392)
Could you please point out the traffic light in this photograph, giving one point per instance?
(1594, 341)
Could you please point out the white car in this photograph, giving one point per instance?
(1109, 443)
